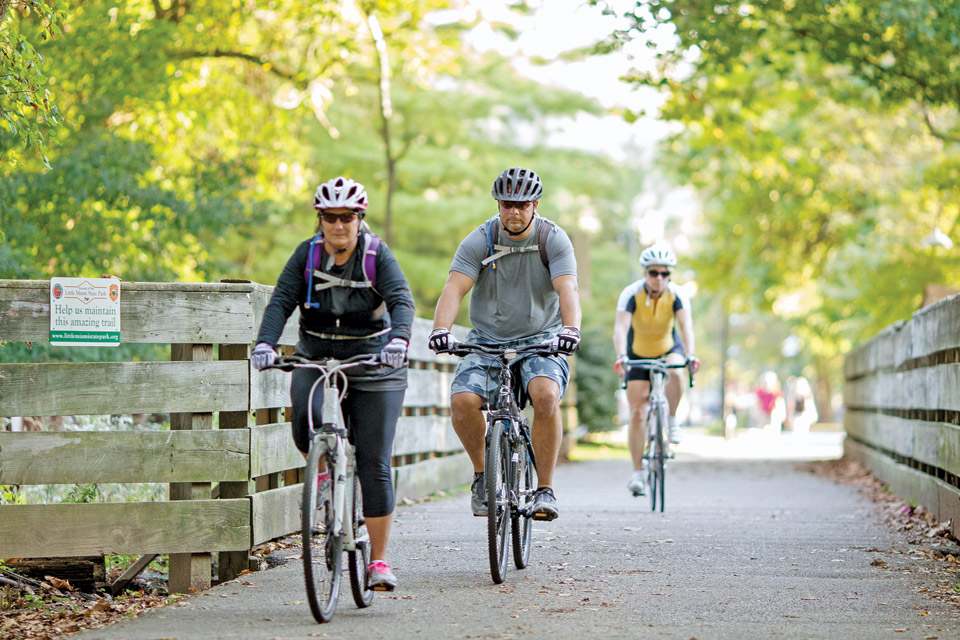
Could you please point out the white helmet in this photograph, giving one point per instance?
(658, 254)
(340, 192)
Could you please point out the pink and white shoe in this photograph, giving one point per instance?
(380, 576)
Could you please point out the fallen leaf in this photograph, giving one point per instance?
(58, 583)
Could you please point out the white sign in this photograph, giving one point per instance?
(85, 312)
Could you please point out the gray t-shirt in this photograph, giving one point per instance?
(516, 299)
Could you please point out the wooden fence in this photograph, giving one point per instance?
(228, 457)
(902, 399)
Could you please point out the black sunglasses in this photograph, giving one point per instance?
(653, 273)
(345, 218)
(513, 204)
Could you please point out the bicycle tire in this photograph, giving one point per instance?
(322, 553)
(654, 447)
(496, 470)
(521, 521)
(359, 560)
(662, 466)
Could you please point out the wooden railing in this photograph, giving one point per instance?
(228, 456)
(902, 399)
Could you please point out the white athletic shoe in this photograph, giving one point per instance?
(638, 482)
(676, 433)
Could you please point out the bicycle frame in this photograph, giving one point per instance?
(332, 436)
(506, 406)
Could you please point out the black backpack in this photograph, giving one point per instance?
(495, 250)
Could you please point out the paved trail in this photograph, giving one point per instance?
(744, 550)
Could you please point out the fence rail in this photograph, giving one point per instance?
(902, 399)
(226, 431)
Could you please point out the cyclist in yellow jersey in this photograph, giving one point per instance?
(649, 312)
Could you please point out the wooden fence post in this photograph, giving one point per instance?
(232, 563)
(190, 570)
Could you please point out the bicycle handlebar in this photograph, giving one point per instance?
(466, 348)
(655, 364)
(289, 363)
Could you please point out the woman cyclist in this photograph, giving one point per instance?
(353, 299)
(649, 311)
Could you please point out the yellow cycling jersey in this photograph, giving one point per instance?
(651, 332)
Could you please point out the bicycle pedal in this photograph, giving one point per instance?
(543, 516)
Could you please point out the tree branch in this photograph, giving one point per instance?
(936, 133)
(249, 57)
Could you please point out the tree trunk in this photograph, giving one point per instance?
(824, 391)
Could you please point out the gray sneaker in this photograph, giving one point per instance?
(478, 496)
(545, 505)
(380, 576)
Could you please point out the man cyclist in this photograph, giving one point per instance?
(648, 314)
(523, 273)
(353, 299)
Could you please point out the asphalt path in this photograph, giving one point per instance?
(745, 549)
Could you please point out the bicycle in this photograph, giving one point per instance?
(658, 411)
(335, 524)
(510, 467)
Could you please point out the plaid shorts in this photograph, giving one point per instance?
(479, 373)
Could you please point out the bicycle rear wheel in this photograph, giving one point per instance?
(359, 560)
(521, 524)
(496, 476)
(322, 551)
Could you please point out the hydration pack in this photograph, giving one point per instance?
(369, 245)
(495, 250)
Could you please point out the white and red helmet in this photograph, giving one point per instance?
(340, 192)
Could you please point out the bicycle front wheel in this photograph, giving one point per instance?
(322, 550)
(521, 523)
(496, 474)
(359, 560)
(657, 456)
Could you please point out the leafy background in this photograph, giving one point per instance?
(181, 141)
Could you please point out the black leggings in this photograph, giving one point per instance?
(371, 418)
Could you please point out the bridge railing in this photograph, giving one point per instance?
(902, 399)
(228, 457)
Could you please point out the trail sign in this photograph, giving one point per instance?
(85, 312)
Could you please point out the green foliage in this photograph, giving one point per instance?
(596, 380)
(197, 132)
(84, 493)
(10, 494)
(27, 109)
(819, 135)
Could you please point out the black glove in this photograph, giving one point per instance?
(567, 340)
(442, 341)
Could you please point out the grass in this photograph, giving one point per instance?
(593, 448)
